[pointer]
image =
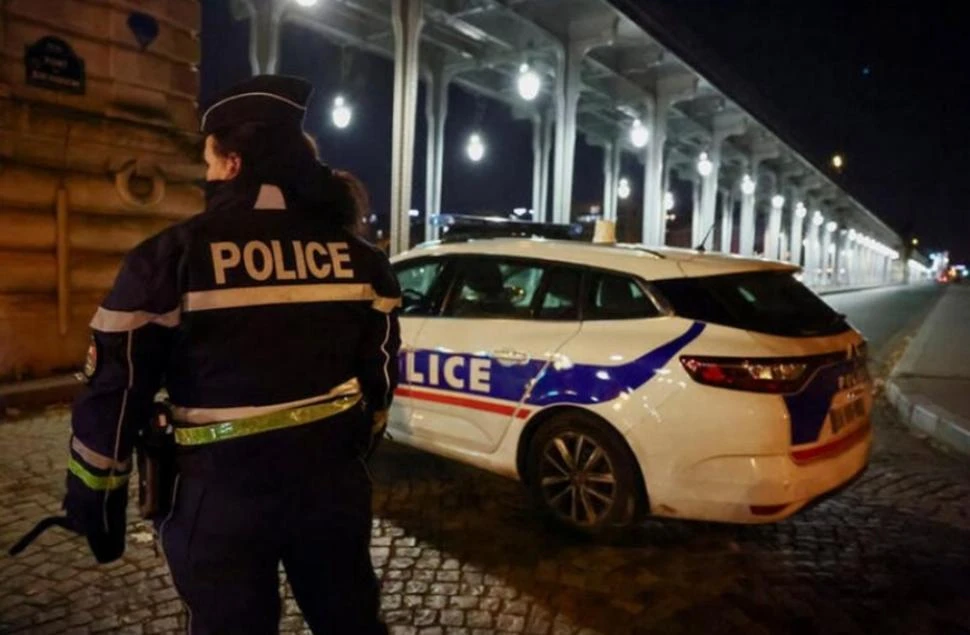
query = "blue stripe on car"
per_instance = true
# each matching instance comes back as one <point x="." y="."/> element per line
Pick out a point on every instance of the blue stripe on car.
<point x="576" y="384"/>
<point x="809" y="407"/>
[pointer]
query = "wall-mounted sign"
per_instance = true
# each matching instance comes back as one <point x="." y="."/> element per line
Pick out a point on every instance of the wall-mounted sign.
<point x="51" y="63"/>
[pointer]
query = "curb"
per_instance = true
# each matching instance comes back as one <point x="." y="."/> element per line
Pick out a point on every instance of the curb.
<point x="38" y="393"/>
<point x="837" y="290"/>
<point x="929" y="419"/>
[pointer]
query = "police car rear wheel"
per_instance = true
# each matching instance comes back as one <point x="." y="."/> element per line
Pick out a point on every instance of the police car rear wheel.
<point x="582" y="474"/>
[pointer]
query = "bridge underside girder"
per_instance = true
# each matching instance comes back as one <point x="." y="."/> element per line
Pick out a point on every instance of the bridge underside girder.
<point x="600" y="71"/>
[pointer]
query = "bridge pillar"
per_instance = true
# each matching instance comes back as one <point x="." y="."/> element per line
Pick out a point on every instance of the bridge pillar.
<point x="773" y="235"/>
<point x="828" y="254"/>
<point x="436" y="113"/>
<point x="542" y="140"/>
<point x="746" y="241"/>
<point x="813" y="247"/>
<point x="843" y="257"/>
<point x="265" y="17"/>
<point x="669" y="91"/>
<point x="795" y="250"/>
<point x="727" y="220"/>
<point x="724" y="127"/>
<point x="407" y="17"/>
<point x="611" y="177"/>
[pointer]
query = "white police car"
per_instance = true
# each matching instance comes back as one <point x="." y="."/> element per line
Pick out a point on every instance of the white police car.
<point x="615" y="380"/>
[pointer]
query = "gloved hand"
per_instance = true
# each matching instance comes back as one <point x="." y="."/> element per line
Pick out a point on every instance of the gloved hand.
<point x="99" y="515"/>
<point x="378" y="427"/>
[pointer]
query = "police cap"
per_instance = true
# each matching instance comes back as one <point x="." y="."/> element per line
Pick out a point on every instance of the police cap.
<point x="270" y="99"/>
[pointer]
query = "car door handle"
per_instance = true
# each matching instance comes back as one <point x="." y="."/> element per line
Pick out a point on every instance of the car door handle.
<point x="510" y="355"/>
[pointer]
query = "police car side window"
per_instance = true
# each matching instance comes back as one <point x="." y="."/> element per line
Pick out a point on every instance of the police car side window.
<point x="612" y="297"/>
<point x="417" y="280"/>
<point x="494" y="288"/>
<point x="560" y="295"/>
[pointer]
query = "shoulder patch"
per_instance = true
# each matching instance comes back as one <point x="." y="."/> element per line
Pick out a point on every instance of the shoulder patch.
<point x="91" y="360"/>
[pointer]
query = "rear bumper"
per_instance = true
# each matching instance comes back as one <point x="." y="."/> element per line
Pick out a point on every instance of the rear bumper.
<point x="763" y="489"/>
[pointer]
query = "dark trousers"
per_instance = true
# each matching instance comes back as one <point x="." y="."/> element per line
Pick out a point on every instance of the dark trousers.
<point x="299" y="500"/>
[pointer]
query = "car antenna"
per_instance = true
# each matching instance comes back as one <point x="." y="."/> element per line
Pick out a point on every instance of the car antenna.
<point x="700" y="247"/>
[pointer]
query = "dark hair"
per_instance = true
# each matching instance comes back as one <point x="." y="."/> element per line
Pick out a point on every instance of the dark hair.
<point x="287" y="157"/>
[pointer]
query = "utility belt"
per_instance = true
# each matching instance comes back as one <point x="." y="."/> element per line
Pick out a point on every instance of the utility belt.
<point x="159" y="442"/>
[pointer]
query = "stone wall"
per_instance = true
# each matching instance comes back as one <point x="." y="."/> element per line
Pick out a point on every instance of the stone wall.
<point x="86" y="174"/>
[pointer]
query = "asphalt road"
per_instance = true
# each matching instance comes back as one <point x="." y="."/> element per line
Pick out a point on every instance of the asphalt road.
<point x="460" y="552"/>
<point x="885" y="315"/>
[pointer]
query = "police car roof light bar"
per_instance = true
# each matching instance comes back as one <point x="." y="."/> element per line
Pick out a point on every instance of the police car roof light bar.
<point x="457" y="228"/>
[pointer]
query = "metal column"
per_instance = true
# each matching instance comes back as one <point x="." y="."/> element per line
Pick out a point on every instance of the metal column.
<point x="727" y="221"/>
<point x="797" y="227"/>
<point x="436" y="112"/>
<point x="541" y="212"/>
<point x="264" y="35"/>
<point x="746" y="243"/>
<point x="696" y="195"/>
<point x="827" y="255"/>
<point x="408" y="18"/>
<point x="538" y="130"/>
<point x="654" y="216"/>
<point x="707" y="216"/>
<point x="611" y="178"/>
<point x="567" y="99"/>
<point x="772" y="237"/>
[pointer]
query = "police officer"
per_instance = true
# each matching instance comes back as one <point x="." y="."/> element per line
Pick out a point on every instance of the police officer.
<point x="273" y="328"/>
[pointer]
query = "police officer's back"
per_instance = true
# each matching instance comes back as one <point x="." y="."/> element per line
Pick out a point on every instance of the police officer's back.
<point x="273" y="329"/>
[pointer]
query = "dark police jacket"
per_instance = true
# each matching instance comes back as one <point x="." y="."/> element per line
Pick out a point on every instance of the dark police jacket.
<point x="250" y="307"/>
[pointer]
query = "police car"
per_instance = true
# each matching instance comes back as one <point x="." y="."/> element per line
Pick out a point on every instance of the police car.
<point x="616" y="380"/>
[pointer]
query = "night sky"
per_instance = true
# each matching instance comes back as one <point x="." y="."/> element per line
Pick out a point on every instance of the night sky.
<point x="888" y="88"/>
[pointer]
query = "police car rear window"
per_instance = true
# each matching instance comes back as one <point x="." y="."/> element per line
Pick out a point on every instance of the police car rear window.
<point x="771" y="302"/>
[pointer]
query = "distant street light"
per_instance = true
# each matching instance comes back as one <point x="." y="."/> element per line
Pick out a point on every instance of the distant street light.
<point x="831" y="226"/>
<point x="668" y="201"/>
<point x="747" y="185"/>
<point x="817" y="218"/>
<point x="529" y="83"/>
<point x="704" y="165"/>
<point x="306" y="3"/>
<point x="800" y="210"/>
<point x="915" y="242"/>
<point x="475" y="148"/>
<point x="837" y="161"/>
<point x="777" y="201"/>
<point x="623" y="189"/>
<point x="341" y="114"/>
<point x="639" y="135"/>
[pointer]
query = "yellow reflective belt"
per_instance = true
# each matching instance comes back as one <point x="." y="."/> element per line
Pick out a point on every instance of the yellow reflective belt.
<point x="200" y="435"/>
<point x="93" y="481"/>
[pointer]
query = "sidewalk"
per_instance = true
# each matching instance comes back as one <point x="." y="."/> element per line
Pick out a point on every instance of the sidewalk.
<point x="930" y="386"/>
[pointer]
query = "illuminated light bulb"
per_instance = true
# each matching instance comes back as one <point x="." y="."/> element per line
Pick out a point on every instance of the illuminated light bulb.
<point x="341" y="114"/>
<point x="475" y="148"/>
<point x="623" y="189"/>
<point x="639" y="136"/>
<point x="528" y="83"/>
<point x="704" y="165"/>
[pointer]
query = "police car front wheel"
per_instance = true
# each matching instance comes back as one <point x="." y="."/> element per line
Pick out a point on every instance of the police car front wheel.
<point x="582" y="474"/>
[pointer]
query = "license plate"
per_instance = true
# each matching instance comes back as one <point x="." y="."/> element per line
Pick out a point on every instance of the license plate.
<point x="847" y="415"/>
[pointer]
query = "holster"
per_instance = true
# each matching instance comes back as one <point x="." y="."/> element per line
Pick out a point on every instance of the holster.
<point x="157" y="470"/>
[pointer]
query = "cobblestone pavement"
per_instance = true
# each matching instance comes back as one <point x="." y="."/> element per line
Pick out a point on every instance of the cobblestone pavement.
<point x="460" y="552"/>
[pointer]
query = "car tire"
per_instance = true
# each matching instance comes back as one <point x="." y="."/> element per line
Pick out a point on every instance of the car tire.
<point x="583" y="476"/>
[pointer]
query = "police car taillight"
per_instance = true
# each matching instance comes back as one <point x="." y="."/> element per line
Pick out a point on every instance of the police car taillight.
<point x="772" y="376"/>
